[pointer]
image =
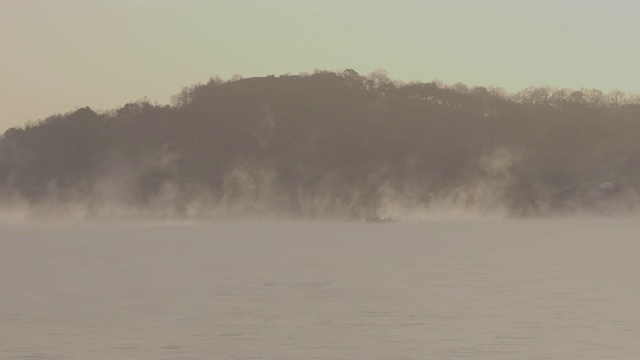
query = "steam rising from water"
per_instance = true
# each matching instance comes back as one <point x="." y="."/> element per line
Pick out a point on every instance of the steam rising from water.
<point x="251" y="191"/>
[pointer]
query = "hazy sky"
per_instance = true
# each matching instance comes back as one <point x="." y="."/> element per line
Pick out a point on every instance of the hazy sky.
<point x="59" y="55"/>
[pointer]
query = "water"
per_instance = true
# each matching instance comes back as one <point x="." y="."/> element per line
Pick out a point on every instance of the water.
<point x="449" y="290"/>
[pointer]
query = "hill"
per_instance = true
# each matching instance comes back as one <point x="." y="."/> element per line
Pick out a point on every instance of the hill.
<point x="334" y="146"/>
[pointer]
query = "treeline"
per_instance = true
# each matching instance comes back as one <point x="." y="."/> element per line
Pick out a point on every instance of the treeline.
<point x="333" y="145"/>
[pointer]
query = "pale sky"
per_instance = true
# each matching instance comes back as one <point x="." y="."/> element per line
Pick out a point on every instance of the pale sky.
<point x="59" y="55"/>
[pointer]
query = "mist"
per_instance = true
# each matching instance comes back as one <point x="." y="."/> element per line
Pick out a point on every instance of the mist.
<point x="236" y="223"/>
<point x="330" y="146"/>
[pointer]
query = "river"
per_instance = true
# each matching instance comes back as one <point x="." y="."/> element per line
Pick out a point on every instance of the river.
<point x="546" y="289"/>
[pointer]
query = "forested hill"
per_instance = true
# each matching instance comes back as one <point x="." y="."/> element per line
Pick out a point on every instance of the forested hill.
<point x="332" y="146"/>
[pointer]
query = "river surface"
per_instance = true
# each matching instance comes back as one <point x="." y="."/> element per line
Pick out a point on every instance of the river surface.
<point x="556" y="289"/>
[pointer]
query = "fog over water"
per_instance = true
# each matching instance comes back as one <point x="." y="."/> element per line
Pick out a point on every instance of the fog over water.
<point x="553" y="289"/>
<point x="330" y="215"/>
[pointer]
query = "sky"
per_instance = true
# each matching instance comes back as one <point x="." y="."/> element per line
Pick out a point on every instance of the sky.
<point x="56" y="56"/>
